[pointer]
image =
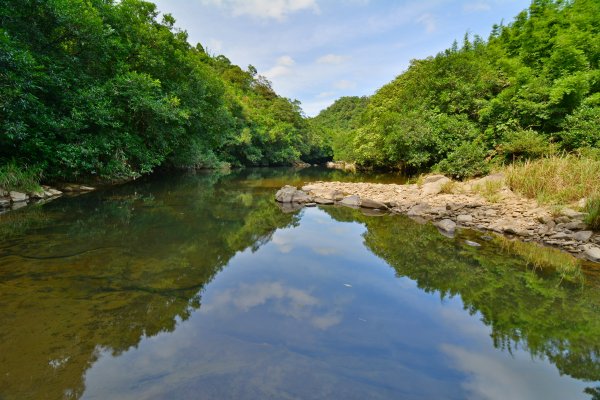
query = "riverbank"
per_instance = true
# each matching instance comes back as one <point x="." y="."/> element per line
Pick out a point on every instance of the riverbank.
<point x="485" y="204"/>
<point x="13" y="199"/>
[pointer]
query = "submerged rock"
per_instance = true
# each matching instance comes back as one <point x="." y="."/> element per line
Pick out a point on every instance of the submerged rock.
<point x="447" y="225"/>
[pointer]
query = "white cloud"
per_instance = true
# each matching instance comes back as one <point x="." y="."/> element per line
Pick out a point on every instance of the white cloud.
<point x="344" y="84"/>
<point x="429" y="21"/>
<point x="331" y="59"/>
<point x="477" y="6"/>
<point x="214" y="46"/>
<point x="282" y="67"/>
<point x="275" y="9"/>
<point x="326" y="95"/>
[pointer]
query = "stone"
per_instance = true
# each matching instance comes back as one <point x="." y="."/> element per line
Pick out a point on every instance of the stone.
<point x="433" y="178"/>
<point x="418" y="210"/>
<point x="568" y="212"/>
<point x="334" y="195"/>
<point x="446" y="225"/>
<point x="19" y="204"/>
<point x="472" y="244"/>
<point x="54" y="192"/>
<point x="464" y="218"/>
<point x="433" y="188"/>
<point x="3" y="193"/>
<point x="368" y="203"/>
<point x="40" y="194"/>
<point x="16" y="197"/>
<point x="320" y="200"/>
<point x="575" y="226"/>
<point x="289" y="194"/>
<point x="583" y="236"/>
<point x="581" y="203"/>
<point x="86" y="188"/>
<point x="310" y="204"/>
<point x="561" y="235"/>
<point x="592" y="252"/>
<point x="351" y="201"/>
<point x="4" y="202"/>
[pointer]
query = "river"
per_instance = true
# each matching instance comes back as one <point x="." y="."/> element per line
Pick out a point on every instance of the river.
<point x="198" y="286"/>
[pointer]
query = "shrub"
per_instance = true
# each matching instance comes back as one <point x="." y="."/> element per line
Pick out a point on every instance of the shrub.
<point x="526" y="144"/>
<point x="467" y="161"/>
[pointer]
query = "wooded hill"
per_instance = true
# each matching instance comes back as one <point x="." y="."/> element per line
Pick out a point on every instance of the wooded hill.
<point x="531" y="89"/>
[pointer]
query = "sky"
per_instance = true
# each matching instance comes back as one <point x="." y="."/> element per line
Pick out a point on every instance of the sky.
<point x="316" y="51"/>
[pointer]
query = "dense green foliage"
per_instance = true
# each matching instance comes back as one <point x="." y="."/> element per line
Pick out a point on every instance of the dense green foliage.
<point x="337" y="125"/>
<point x="102" y="88"/>
<point x="531" y="89"/>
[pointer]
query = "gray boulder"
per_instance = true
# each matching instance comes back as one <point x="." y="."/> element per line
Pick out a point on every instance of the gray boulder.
<point x="583" y="236"/>
<point x="446" y="225"/>
<point x="433" y="188"/>
<point x="351" y="201"/>
<point x="592" y="252"/>
<point x="17" y="197"/>
<point x="289" y="194"/>
<point x="368" y="203"/>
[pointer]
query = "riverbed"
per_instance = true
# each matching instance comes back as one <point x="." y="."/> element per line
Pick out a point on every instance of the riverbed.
<point x="198" y="285"/>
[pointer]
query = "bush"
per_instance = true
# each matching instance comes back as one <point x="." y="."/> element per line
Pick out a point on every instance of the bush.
<point x="467" y="161"/>
<point x="526" y="144"/>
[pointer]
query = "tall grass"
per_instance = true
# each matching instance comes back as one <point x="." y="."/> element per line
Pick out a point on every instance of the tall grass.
<point x="556" y="179"/>
<point x="14" y="177"/>
<point x="592" y="211"/>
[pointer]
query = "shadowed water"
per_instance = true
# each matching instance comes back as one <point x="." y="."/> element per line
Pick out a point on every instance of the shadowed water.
<point x="199" y="286"/>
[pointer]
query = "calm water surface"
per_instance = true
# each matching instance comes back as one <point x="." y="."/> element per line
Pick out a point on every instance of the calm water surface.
<point x="199" y="287"/>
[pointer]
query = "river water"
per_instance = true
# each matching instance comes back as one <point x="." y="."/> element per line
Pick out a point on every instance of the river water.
<point x="197" y="286"/>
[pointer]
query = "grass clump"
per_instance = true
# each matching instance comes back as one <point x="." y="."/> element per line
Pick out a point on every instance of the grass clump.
<point x="22" y="179"/>
<point x="556" y="179"/>
<point x="592" y="213"/>
<point x="490" y="190"/>
<point x="448" y="187"/>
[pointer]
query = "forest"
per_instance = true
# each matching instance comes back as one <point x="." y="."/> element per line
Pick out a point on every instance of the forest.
<point x="104" y="89"/>
<point x="531" y="90"/>
<point x="111" y="90"/>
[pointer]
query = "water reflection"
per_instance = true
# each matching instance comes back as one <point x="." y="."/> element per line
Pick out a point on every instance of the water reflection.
<point x="123" y="294"/>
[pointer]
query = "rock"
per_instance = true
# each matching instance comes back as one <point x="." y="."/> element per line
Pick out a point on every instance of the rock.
<point x="472" y="244"/>
<point x="433" y="188"/>
<point x="3" y="193"/>
<point x="368" y="203"/>
<point x="433" y="178"/>
<point x="16" y="197"/>
<point x="320" y="200"/>
<point x="335" y="195"/>
<point x="575" y="226"/>
<point x="568" y="212"/>
<point x="446" y="225"/>
<point x="86" y="188"/>
<point x="289" y="207"/>
<point x="4" y="203"/>
<point x="581" y="203"/>
<point x="583" y="236"/>
<point x="40" y="194"/>
<point x="464" y="218"/>
<point x="54" y="192"/>
<point x="351" y="201"/>
<point x="592" y="252"/>
<point x="561" y="235"/>
<point x="418" y="210"/>
<point x="311" y="204"/>
<point x="289" y="194"/>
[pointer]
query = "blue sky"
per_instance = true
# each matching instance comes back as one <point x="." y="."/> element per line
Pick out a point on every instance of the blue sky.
<point x="319" y="50"/>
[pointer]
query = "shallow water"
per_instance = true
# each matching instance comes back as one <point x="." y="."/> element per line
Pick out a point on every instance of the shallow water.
<point x="199" y="286"/>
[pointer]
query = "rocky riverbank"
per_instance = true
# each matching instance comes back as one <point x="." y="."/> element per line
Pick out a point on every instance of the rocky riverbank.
<point x="13" y="200"/>
<point x="486" y="204"/>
